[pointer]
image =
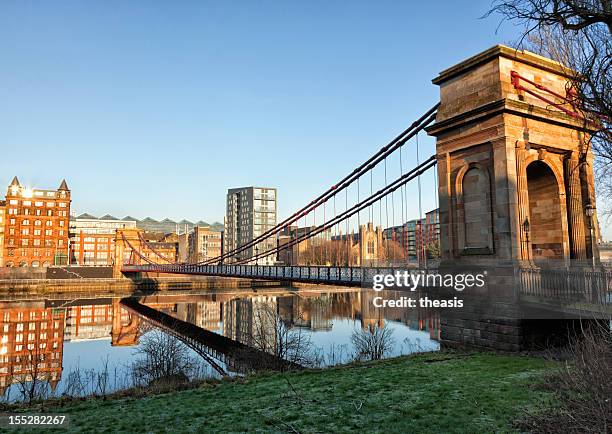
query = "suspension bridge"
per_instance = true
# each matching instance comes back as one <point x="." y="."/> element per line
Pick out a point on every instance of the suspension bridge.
<point x="511" y="175"/>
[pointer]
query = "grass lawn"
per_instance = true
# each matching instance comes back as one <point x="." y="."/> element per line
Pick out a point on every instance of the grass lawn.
<point x="437" y="392"/>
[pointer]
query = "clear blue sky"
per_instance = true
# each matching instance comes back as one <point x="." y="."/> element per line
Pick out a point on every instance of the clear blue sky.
<point x="156" y="108"/>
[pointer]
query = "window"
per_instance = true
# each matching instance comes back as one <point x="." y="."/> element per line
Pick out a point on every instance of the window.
<point x="49" y="213"/>
<point x="48" y="223"/>
<point x="25" y="231"/>
<point x="37" y="232"/>
<point x="39" y="203"/>
<point x="12" y="221"/>
<point x="37" y="223"/>
<point x="24" y="242"/>
<point x="25" y="222"/>
<point x="49" y="232"/>
<point x="27" y="203"/>
<point x="62" y="204"/>
<point x="13" y="202"/>
<point x="50" y="204"/>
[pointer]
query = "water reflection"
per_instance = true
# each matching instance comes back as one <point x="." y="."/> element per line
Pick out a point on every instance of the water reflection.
<point x="43" y="338"/>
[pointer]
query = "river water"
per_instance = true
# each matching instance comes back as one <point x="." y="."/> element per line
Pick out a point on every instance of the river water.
<point x="74" y="338"/>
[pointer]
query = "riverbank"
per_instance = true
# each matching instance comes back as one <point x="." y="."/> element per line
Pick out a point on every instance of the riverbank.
<point x="434" y="392"/>
<point x="124" y="285"/>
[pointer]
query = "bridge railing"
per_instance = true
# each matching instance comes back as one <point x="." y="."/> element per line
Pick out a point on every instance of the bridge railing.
<point x="589" y="286"/>
<point x="307" y="273"/>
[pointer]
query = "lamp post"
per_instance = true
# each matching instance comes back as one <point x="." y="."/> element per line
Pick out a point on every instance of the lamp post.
<point x="590" y="212"/>
<point x="526" y="228"/>
<point x="256" y="253"/>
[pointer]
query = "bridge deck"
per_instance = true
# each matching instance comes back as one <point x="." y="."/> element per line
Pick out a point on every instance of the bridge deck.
<point x="222" y="348"/>
<point x="350" y="276"/>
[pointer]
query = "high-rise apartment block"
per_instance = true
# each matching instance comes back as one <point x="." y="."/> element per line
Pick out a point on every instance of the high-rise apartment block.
<point x="251" y="211"/>
<point x="36" y="226"/>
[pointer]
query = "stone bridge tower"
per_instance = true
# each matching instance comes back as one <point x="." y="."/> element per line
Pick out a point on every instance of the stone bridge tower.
<point x="515" y="179"/>
<point x="515" y="172"/>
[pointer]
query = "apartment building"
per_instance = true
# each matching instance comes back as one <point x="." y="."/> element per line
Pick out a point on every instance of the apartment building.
<point x="250" y="212"/>
<point x="36" y="226"/>
<point x="2" y="209"/>
<point x="204" y="243"/>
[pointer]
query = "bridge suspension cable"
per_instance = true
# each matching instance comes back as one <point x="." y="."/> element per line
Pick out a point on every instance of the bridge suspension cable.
<point x="150" y="247"/>
<point x="344" y="216"/>
<point x="137" y="251"/>
<point x="343" y="184"/>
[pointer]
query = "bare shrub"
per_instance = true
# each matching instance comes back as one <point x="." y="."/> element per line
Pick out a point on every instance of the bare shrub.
<point x="582" y="387"/>
<point x="372" y="343"/>
<point x="32" y="377"/>
<point x="163" y="359"/>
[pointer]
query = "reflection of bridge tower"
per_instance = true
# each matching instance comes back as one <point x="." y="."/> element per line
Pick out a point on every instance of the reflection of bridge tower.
<point x="126" y="327"/>
<point x="515" y="174"/>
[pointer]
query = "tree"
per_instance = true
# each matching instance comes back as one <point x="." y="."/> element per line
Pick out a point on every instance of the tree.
<point x="433" y="250"/>
<point x="578" y="34"/>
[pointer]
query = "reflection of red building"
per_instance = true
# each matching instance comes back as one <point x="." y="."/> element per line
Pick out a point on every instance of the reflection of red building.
<point x="31" y="343"/>
<point x="92" y="321"/>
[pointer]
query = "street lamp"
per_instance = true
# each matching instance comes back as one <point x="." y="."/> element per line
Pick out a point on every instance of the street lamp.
<point x="256" y="253"/>
<point x="590" y="212"/>
<point x="526" y="228"/>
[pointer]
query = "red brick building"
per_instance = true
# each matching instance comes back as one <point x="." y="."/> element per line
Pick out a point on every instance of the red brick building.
<point x="36" y="226"/>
